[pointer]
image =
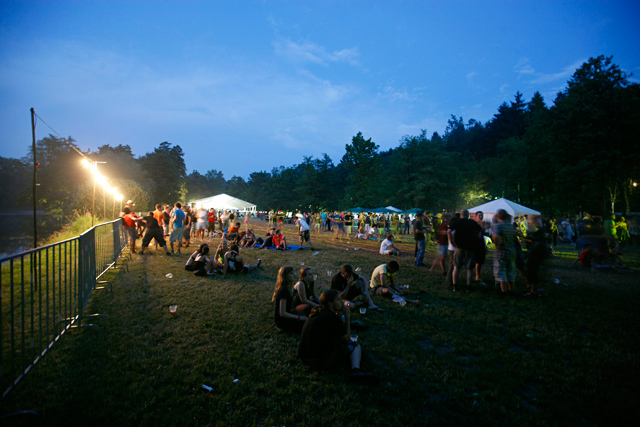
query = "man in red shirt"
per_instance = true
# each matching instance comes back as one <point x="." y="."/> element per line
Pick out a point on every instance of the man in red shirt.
<point x="130" y="227"/>
<point x="279" y="241"/>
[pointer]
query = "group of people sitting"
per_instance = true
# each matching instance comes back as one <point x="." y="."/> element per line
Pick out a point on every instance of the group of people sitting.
<point x="227" y="259"/>
<point x="324" y="321"/>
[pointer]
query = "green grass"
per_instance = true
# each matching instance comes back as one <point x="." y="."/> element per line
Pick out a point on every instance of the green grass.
<point x="570" y="358"/>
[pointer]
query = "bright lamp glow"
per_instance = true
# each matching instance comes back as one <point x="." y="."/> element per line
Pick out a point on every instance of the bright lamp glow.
<point x="99" y="179"/>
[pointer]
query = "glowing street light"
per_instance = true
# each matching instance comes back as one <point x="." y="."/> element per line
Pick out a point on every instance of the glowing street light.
<point x="98" y="178"/>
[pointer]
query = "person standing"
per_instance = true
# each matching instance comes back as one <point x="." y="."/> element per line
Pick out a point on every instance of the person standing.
<point x="419" y="237"/>
<point x="504" y="260"/>
<point x="465" y="233"/>
<point x="201" y="223"/>
<point x="304" y="232"/>
<point x="177" y="217"/>
<point x="153" y="230"/>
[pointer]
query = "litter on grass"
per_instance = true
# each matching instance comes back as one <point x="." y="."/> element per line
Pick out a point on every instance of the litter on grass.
<point x="316" y="253"/>
<point x="206" y="387"/>
<point x="169" y="276"/>
<point x="236" y="380"/>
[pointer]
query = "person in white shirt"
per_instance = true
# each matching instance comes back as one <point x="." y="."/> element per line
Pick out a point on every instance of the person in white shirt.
<point x="303" y="230"/>
<point x="387" y="247"/>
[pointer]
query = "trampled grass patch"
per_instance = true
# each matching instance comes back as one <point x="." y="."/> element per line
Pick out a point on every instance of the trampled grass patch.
<point x="570" y="357"/>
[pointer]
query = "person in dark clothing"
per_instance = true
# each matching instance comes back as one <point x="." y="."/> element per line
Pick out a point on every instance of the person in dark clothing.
<point x="325" y="344"/>
<point x="153" y="231"/>
<point x="464" y="234"/>
<point x="284" y="315"/>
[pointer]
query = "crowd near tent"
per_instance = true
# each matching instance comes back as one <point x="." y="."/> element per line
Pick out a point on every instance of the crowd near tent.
<point x="222" y="202"/>
<point x="514" y="209"/>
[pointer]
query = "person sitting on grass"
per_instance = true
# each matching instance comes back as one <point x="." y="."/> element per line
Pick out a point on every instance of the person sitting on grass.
<point x="200" y="263"/>
<point x="248" y="239"/>
<point x="373" y="233"/>
<point x="387" y="247"/>
<point x="586" y="257"/>
<point x="152" y="230"/>
<point x="304" y="292"/>
<point x="232" y="232"/>
<point x="234" y="263"/>
<point x="279" y="241"/>
<point x="285" y="317"/>
<point x="268" y="240"/>
<point x="325" y="342"/>
<point x="382" y="280"/>
<point x="351" y="286"/>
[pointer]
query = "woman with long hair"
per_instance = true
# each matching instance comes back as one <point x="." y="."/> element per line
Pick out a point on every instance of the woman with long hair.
<point x="199" y="262"/>
<point x="304" y="292"/>
<point x="285" y="316"/>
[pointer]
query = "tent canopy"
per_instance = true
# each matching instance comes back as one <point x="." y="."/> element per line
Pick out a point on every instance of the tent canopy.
<point x="356" y="210"/>
<point x="396" y="210"/>
<point x="514" y="209"/>
<point x="224" y="201"/>
<point x="413" y="211"/>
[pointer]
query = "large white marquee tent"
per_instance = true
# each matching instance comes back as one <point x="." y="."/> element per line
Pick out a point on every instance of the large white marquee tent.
<point x="514" y="209"/>
<point x="222" y="202"/>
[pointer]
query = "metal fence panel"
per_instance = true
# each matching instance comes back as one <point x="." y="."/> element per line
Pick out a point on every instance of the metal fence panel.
<point x="44" y="292"/>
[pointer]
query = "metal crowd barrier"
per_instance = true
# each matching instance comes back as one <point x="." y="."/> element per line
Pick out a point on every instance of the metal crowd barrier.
<point x="44" y="293"/>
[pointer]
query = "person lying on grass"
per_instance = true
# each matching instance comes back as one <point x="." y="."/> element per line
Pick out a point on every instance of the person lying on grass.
<point x="387" y="247"/>
<point x="234" y="263"/>
<point x="152" y="230"/>
<point x="304" y="292"/>
<point x="285" y="317"/>
<point x="325" y="342"/>
<point x="383" y="281"/>
<point x="351" y="286"/>
<point x="200" y="263"/>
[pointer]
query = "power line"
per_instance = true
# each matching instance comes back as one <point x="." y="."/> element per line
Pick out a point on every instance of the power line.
<point x="59" y="136"/>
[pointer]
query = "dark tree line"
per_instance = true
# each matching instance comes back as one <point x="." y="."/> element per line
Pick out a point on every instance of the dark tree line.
<point x="580" y="155"/>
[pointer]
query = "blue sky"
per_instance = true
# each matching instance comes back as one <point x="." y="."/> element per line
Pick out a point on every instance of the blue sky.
<point x="245" y="86"/>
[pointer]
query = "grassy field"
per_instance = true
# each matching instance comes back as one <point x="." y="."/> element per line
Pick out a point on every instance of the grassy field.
<point x="570" y="358"/>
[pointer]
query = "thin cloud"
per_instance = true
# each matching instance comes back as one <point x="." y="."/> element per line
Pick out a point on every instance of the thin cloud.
<point x="524" y="69"/>
<point x="313" y="53"/>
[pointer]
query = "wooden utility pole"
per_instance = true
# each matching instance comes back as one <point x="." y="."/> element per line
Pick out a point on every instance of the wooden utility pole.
<point x="35" y="180"/>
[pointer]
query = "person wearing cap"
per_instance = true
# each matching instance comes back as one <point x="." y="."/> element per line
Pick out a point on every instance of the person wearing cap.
<point x="419" y="237"/>
<point x="304" y="231"/>
<point x="129" y="204"/>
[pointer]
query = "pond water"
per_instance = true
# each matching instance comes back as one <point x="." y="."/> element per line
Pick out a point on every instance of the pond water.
<point x="16" y="232"/>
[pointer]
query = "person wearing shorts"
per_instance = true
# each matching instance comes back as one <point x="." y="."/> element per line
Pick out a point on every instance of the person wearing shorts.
<point x="201" y="223"/>
<point x="304" y="231"/>
<point x="465" y="234"/>
<point x="177" y="216"/>
<point x="504" y="259"/>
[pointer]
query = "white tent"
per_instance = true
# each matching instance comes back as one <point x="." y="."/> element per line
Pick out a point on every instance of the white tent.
<point x="514" y="209"/>
<point x="394" y="209"/>
<point x="224" y="201"/>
